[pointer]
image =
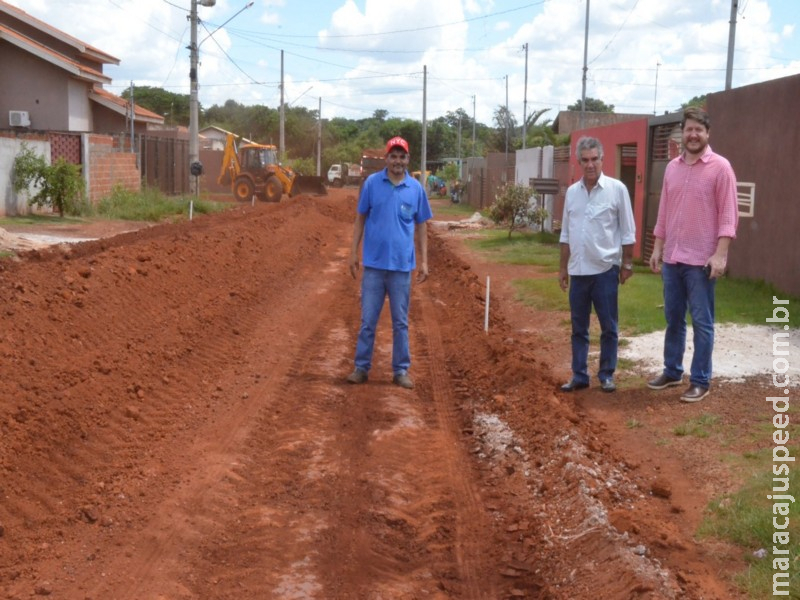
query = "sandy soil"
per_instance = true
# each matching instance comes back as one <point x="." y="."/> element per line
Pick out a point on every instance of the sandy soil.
<point x="174" y="424"/>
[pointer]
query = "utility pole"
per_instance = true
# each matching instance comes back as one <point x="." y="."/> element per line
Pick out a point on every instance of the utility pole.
<point x="655" y="94"/>
<point x="194" y="144"/>
<point x="133" y="115"/>
<point x="459" y="141"/>
<point x="585" y="68"/>
<point x="319" y="138"/>
<point x="506" y="120"/>
<point x="194" y="105"/>
<point x="423" y="176"/>
<point x="281" y="147"/>
<point x="473" y="125"/>
<point x="525" y="101"/>
<point x="731" y="44"/>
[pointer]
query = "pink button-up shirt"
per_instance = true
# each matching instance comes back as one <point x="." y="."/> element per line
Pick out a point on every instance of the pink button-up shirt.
<point x="698" y="206"/>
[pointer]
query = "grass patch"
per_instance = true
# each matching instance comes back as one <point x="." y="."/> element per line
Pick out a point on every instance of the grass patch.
<point x="641" y="300"/>
<point x="124" y="205"/>
<point x="745" y="519"/>
<point x="539" y="249"/>
<point x="743" y="301"/>
<point x="633" y="424"/>
<point x="444" y="207"/>
<point x="36" y="220"/>
<point x="150" y="205"/>
<point x="698" y="427"/>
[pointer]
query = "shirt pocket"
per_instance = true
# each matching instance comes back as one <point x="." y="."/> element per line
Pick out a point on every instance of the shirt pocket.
<point x="406" y="212"/>
<point x="602" y="212"/>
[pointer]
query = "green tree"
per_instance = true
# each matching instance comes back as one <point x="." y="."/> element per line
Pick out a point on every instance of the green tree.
<point x="505" y="128"/>
<point x="696" y="101"/>
<point x="173" y="107"/>
<point x="512" y="208"/>
<point x="592" y="105"/>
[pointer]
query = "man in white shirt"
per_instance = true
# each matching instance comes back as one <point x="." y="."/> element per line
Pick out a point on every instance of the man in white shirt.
<point x="597" y="237"/>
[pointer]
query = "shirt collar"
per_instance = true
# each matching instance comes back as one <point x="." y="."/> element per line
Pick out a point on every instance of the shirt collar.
<point x="705" y="156"/>
<point x="386" y="176"/>
<point x="600" y="181"/>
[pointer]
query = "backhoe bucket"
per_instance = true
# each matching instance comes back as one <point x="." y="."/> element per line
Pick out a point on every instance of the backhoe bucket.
<point x="309" y="184"/>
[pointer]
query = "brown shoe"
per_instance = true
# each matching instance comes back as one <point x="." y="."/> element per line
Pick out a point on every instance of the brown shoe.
<point x="662" y="382"/>
<point x="403" y="380"/>
<point x="694" y="393"/>
<point x="357" y="376"/>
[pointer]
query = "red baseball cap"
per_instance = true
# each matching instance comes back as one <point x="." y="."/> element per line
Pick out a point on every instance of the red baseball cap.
<point x="397" y="142"/>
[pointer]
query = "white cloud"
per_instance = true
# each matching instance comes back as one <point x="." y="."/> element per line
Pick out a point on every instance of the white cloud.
<point x="359" y="56"/>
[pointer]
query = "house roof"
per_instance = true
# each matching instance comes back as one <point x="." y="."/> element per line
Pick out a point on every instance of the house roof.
<point x="84" y="50"/>
<point x="121" y="106"/>
<point x="213" y="128"/>
<point x="41" y="51"/>
<point x="81" y="60"/>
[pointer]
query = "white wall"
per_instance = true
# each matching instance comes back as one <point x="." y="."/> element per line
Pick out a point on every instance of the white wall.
<point x="529" y="165"/>
<point x="80" y="111"/>
<point x="534" y="163"/>
<point x="15" y="204"/>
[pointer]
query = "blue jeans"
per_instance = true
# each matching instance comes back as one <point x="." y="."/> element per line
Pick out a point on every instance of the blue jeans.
<point x="584" y="292"/>
<point x="686" y="286"/>
<point x="376" y="284"/>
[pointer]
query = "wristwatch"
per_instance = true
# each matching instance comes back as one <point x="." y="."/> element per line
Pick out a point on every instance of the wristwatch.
<point x="628" y="267"/>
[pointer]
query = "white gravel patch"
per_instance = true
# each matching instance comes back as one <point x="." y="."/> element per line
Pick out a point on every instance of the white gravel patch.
<point x="739" y="351"/>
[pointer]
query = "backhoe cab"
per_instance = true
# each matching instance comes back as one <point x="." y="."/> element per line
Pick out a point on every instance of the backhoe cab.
<point x="253" y="170"/>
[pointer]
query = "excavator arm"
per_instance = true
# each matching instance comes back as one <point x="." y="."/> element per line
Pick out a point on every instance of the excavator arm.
<point x="230" y="168"/>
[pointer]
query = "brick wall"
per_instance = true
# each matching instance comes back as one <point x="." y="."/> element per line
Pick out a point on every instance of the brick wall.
<point x="108" y="167"/>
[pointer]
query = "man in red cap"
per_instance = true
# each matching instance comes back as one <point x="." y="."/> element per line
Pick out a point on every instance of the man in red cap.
<point x="392" y="210"/>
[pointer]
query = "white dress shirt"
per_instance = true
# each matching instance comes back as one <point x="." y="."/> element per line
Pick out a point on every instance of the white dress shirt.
<point x="596" y="225"/>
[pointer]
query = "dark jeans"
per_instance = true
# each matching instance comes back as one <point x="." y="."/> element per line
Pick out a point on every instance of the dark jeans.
<point x="687" y="286"/>
<point x="601" y="292"/>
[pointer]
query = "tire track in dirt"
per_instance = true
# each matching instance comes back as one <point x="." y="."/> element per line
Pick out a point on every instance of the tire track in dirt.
<point x="203" y="499"/>
<point x="387" y="528"/>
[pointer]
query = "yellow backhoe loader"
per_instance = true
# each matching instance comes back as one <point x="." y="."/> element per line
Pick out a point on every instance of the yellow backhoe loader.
<point x="253" y="170"/>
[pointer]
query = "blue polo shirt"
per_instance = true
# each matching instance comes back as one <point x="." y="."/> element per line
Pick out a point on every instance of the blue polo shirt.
<point x="392" y="211"/>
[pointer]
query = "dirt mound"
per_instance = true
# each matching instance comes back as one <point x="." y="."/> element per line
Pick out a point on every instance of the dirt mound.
<point x="175" y="424"/>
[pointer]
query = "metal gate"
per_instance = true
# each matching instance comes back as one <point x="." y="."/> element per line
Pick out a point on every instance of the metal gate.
<point x="165" y="164"/>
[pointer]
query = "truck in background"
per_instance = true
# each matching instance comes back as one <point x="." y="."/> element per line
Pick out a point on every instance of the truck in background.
<point x="344" y="174"/>
<point x="372" y="161"/>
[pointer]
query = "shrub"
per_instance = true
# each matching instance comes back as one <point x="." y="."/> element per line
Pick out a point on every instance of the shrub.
<point x="513" y="208"/>
<point x="59" y="185"/>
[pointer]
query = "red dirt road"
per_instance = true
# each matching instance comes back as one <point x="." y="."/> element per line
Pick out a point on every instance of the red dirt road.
<point x="174" y="425"/>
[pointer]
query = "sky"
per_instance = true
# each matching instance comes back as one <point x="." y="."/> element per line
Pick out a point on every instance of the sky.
<point x="350" y="58"/>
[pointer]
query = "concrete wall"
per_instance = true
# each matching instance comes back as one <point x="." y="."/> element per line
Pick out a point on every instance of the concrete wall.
<point x="755" y="128"/>
<point x="620" y="164"/>
<point x="10" y="144"/>
<point x="103" y="167"/>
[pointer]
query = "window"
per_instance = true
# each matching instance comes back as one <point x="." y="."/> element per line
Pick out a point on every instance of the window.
<point x="746" y="195"/>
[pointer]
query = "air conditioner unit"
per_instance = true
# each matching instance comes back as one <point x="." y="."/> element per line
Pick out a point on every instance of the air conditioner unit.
<point x="19" y="118"/>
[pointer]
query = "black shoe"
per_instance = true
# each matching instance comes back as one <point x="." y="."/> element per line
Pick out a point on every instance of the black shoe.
<point x="573" y="386"/>
<point x="608" y="385"/>
<point x="694" y="393"/>
<point x="662" y="382"/>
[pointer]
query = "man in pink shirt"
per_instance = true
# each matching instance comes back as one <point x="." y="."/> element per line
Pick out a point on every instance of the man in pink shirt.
<point x="697" y="219"/>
